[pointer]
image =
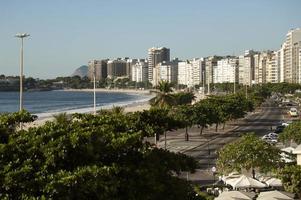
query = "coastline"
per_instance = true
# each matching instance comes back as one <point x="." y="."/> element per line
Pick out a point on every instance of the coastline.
<point x="133" y="91"/>
<point x="128" y="107"/>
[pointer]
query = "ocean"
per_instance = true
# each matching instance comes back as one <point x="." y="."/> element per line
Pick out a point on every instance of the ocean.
<point x="47" y="103"/>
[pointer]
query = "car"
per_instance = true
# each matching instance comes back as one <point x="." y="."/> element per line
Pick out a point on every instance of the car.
<point x="293" y="112"/>
<point x="269" y="139"/>
<point x="273" y="135"/>
<point x="279" y="129"/>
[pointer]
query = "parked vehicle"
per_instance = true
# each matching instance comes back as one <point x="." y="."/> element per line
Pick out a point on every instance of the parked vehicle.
<point x="293" y="112"/>
<point x="269" y="139"/>
<point x="279" y="129"/>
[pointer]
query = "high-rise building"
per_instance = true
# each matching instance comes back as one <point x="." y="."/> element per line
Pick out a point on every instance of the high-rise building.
<point x="129" y="64"/>
<point x="291" y="49"/>
<point x="100" y="67"/>
<point x="210" y="62"/>
<point x="116" y="68"/>
<point x="190" y="72"/>
<point x="139" y="72"/>
<point x="226" y="70"/>
<point x="155" y="56"/>
<point x="247" y="68"/>
<point x="165" y="71"/>
<point x="272" y="69"/>
<point x="280" y="64"/>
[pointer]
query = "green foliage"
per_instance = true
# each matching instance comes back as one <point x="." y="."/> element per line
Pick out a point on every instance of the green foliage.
<point x="290" y="176"/>
<point x="10" y="121"/>
<point x="183" y="98"/>
<point x="164" y="98"/>
<point x="291" y="132"/>
<point x="248" y="152"/>
<point x="90" y="157"/>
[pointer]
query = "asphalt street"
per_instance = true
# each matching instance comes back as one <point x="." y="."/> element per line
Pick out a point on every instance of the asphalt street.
<point x="259" y="122"/>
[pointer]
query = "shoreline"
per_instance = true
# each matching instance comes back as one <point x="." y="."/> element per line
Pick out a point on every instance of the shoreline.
<point x="128" y="107"/>
<point x="133" y="91"/>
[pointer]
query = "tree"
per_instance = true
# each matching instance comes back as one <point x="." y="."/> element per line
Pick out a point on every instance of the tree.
<point x="9" y="122"/>
<point x="163" y="97"/>
<point x="155" y="122"/>
<point x="203" y="114"/>
<point x="250" y="153"/>
<point x="183" y="98"/>
<point x="184" y="115"/>
<point x="291" y="132"/>
<point x="93" y="157"/>
<point x="290" y="176"/>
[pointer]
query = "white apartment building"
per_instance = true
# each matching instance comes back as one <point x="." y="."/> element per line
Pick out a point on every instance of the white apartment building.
<point x="165" y="71"/>
<point x="226" y="71"/>
<point x="291" y="49"/>
<point x="246" y="68"/>
<point x="190" y="72"/>
<point x="155" y="56"/>
<point x="272" y="70"/>
<point x="139" y="71"/>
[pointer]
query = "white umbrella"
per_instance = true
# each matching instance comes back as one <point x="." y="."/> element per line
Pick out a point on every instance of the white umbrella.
<point x="274" y="182"/>
<point x="247" y="182"/>
<point x="231" y="176"/>
<point x="275" y="195"/>
<point x="235" y="195"/>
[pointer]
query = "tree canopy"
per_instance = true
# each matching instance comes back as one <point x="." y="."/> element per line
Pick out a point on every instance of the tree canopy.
<point x="248" y="152"/>
<point x="89" y="157"/>
<point x="292" y="132"/>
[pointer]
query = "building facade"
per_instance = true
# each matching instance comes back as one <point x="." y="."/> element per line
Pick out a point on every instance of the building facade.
<point x="156" y="56"/>
<point x="291" y="48"/>
<point x="116" y="68"/>
<point x="139" y="71"/>
<point x="226" y="70"/>
<point x="100" y="67"/>
<point x="166" y="71"/>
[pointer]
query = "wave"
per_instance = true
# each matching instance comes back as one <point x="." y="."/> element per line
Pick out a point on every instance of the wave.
<point x="90" y="109"/>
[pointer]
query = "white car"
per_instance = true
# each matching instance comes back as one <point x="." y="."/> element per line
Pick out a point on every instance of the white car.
<point x="293" y="112"/>
<point x="269" y="139"/>
<point x="273" y="135"/>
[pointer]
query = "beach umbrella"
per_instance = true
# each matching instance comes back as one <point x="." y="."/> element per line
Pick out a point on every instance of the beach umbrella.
<point x="231" y="176"/>
<point x="247" y="182"/>
<point x="235" y="195"/>
<point x="274" y="182"/>
<point x="275" y="195"/>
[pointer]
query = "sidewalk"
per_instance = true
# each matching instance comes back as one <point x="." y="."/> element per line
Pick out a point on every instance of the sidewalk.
<point x="176" y="139"/>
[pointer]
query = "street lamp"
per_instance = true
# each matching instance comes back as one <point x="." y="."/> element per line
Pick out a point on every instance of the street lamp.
<point x="22" y="36"/>
<point x="94" y="87"/>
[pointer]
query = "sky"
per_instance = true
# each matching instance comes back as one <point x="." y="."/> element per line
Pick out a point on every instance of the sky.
<point x="66" y="34"/>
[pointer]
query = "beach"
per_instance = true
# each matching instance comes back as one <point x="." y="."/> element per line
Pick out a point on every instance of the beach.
<point x="135" y="106"/>
<point x="132" y="91"/>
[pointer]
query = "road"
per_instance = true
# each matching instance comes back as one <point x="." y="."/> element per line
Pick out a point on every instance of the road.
<point x="260" y="123"/>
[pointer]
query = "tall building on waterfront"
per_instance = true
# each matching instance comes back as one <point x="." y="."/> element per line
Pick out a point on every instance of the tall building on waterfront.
<point x="190" y="72"/>
<point x="272" y="69"/>
<point x="155" y="56"/>
<point x="246" y="67"/>
<point x="129" y="64"/>
<point x="210" y="62"/>
<point x="165" y="71"/>
<point x="139" y="71"/>
<point x="116" y="68"/>
<point x="226" y="70"/>
<point x="291" y="50"/>
<point x="100" y="67"/>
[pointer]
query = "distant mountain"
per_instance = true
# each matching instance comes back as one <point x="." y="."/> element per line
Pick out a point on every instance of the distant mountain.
<point x="82" y="71"/>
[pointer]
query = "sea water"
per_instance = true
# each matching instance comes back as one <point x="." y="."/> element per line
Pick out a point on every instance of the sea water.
<point x="47" y="103"/>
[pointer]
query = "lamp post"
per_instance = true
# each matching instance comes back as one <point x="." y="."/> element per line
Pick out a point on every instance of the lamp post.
<point x="21" y="36"/>
<point x="94" y="88"/>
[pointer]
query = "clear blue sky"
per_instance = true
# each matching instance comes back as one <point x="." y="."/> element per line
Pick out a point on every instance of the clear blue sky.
<point x="66" y="34"/>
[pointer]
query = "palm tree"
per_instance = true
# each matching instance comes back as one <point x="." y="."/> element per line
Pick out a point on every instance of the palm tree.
<point x="164" y="98"/>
